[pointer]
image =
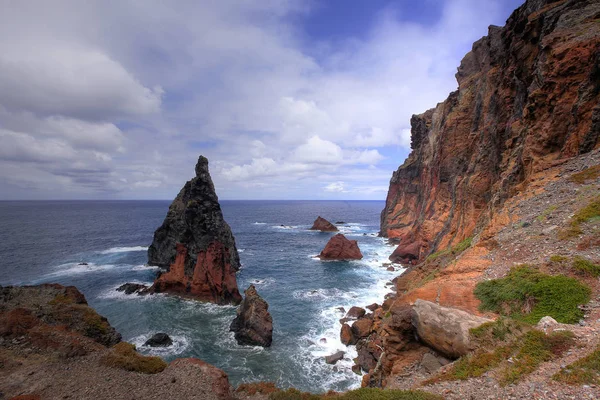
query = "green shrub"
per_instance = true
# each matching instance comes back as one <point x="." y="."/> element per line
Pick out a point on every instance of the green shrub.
<point x="585" y="266"/>
<point x="583" y="371"/>
<point x="558" y="259"/>
<point x="528" y="295"/>
<point x="454" y="250"/>
<point x="586" y="175"/>
<point x="359" y="394"/>
<point x="124" y="356"/>
<point x="591" y="212"/>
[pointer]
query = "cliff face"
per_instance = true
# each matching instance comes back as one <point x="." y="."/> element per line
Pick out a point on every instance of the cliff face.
<point x="528" y="99"/>
<point x="196" y="245"/>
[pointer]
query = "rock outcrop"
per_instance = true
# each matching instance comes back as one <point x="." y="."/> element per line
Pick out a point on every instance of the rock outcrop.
<point x="444" y="329"/>
<point x="196" y="245"/>
<point x="253" y="324"/>
<point x="528" y="98"/>
<point x="54" y="346"/>
<point x="159" y="340"/>
<point x="340" y="248"/>
<point x="321" y="224"/>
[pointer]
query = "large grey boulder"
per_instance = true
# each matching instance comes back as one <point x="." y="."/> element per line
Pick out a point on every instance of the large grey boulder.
<point x="444" y="329"/>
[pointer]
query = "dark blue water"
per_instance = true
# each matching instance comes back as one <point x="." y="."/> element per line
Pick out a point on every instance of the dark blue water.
<point x="45" y="242"/>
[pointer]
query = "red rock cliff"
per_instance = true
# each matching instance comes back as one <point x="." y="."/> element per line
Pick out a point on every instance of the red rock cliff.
<point x="527" y="99"/>
<point x="196" y="245"/>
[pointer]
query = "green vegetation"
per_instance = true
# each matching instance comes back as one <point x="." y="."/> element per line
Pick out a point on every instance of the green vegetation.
<point x="454" y="250"/>
<point x="508" y="339"/>
<point x="544" y="215"/>
<point x="60" y="299"/>
<point x="589" y="213"/>
<point x="526" y="294"/>
<point x="559" y="259"/>
<point x="586" y="175"/>
<point x="536" y="348"/>
<point x="359" y="394"/>
<point x="124" y="356"/>
<point x="585" y="266"/>
<point x="583" y="371"/>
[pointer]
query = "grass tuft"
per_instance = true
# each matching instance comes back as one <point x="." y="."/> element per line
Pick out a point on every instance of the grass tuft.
<point x="359" y="394"/>
<point x="586" y="175"/>
<point x="528" y="295"/>
<point x="454" y="250"/>
<point x="591" y="212"/>
<point x="124" y="356"/>
<point x="583" y="371"/>
<point x="585" y="266"/>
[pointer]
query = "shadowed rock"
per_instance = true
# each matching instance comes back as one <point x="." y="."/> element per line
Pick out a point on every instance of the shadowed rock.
<point x="159" y="340"/>
<point x="196" y="245"/>
<point x="253" y="324"/>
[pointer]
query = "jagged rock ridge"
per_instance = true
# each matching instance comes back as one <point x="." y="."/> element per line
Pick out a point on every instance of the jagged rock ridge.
<point x="196" y="245"/>
<point x="528" y="99"/>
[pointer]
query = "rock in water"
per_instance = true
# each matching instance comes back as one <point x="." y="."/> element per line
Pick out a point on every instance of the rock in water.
<point x="321" y="224"/>
<point x="253" y="324"/>
<point x="196" y="245"/>
<point x="131" y="288"/>
<point x="159" y="340"/>
<point x="340" y="248"/>
<point x="334" y="358"/>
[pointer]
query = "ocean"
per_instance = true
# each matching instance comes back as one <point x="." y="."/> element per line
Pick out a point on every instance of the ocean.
<point x="45" y="241"/>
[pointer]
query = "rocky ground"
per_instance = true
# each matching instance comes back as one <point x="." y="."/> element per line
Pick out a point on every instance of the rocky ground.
<point x="531" y="229"/>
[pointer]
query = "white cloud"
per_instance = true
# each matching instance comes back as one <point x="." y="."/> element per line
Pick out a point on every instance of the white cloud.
<point x="319" y="151"/>
<point x="335" y="187"/>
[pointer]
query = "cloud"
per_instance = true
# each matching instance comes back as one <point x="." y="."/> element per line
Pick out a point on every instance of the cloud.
<point x="97" y="100"/>
<point x="335" y="187"/>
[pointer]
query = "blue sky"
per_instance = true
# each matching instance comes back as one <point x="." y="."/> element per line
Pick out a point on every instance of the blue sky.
<point x="288" y="99"/>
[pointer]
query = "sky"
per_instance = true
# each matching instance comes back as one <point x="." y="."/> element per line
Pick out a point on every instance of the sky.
<point x="288" y="99"/>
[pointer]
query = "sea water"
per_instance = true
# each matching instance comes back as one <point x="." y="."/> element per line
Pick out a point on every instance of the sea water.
<point x="97" y="246"/>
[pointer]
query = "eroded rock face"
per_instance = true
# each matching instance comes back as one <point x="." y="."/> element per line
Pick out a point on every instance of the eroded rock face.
<point x="196" y="245"/>
<point x="444" y="329"/>
<point x="340" y="248"/>
<point x="321" y="224"/>
<point x="528" y="98"/>
<point x="253" y="324"/>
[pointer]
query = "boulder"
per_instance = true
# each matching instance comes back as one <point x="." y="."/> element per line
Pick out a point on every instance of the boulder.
<point x="334" y="358"/>
<point x="430" y="363"/>
<point x="444" y="329"/>
<point x="159" y="340"/>
<point x="340" y="248"/>
<point x="372" y="307"/>
<point x="196" y="245"/>
<point x="355" y="313"/>
<point x="321" y="224"/>
<point x="346" y="335"/>
<point x="407" y="252"/>
<point x="253" y="324"/>
<point x="131" y="288"/>
<point x="362" y="328"/>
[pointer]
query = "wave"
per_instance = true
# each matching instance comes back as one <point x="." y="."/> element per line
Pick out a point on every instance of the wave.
<point x="259" y="223"/>
<point x="76" y="268"/>
<point x="262" y="282"/>
<point x="114" y="250"/>
<point x="145" y="267"/>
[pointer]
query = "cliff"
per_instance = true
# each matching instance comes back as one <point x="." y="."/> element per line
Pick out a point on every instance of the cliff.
<point x="196" y="245"/>
<point x="527" y="99"/>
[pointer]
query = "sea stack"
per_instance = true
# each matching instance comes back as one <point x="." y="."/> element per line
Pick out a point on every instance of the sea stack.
<point x="253" y="324"/>
<point x="196" y="245"/>
<point x="321" y="224"/>
<point x="340" y="248"/>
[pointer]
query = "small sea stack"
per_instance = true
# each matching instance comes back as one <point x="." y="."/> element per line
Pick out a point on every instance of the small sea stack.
<point x="339" y="248"/>
<point x="253" y="325"/>
<point x="196" y="245"/>
<point x="321" y="224"/>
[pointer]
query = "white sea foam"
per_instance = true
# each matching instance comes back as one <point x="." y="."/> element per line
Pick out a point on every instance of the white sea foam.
<point x="114" y="250"/>
<point x="77" y="268"/>
<point x="285" y="227"/>
<point x="259" y="223"/>
<point x="262" y="282"/>
<point x="144" y="267"/>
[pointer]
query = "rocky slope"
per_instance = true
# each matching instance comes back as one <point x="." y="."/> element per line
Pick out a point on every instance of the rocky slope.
<point x="53" y="346"/>
<point x="196" y="245"/>
<point x="528" y="99"/>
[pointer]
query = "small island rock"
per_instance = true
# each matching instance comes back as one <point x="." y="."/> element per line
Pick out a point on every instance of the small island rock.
<point x="321" y="224"/>
<point x="159" y="340"/>
<point x="253" y="324"/>
<point x="340" y="248"/>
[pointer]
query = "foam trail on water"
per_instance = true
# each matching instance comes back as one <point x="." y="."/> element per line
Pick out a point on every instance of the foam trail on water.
<point x="114" y="250"/>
